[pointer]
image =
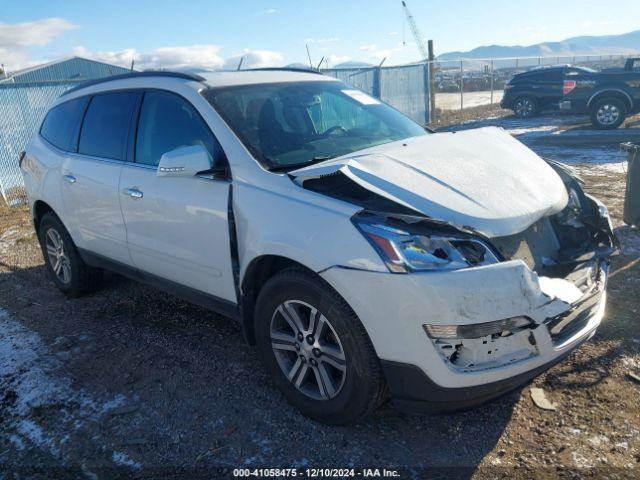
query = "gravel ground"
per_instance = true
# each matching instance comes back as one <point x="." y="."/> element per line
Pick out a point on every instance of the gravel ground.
<point x="131" y="383"/>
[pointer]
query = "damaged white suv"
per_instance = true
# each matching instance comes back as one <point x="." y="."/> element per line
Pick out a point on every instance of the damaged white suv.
<point x="364" y="255"/>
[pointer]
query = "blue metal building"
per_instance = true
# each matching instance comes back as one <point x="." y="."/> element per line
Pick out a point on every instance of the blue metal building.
<point x="71" y="69"/>
<point x="25" y="96"/>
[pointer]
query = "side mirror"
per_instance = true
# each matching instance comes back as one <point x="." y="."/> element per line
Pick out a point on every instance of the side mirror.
<point x="184" y="162"/>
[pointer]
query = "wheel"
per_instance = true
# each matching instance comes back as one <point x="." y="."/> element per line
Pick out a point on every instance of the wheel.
<point x="316" y="350"/>
<point x="525" y="107"/>
<point x="608" y="113"/>
<point x="70" y="274"/>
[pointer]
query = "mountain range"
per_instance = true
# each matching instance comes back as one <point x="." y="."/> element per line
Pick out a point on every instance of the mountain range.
<point x="626" y="43"/>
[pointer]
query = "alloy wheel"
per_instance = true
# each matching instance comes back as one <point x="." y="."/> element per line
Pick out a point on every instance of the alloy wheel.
<point x="57" y="255"/>
<point x="308" y="350"/>
<point x="608" y="114"/>
<point x="524" y="107"/>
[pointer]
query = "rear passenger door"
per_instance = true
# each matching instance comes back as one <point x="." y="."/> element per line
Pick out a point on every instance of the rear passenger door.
<point x="177" y="227"/>
<point x="90" y="177"/>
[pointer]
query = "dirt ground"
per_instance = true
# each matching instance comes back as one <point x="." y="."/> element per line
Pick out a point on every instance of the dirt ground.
<point x="131" y="383"/>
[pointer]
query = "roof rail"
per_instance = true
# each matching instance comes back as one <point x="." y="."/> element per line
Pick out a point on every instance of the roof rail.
<point x="283" y="69"/>
<point x="158" y="73"/>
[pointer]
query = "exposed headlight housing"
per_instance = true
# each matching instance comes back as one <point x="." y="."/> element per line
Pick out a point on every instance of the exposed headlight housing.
<point x="403" y="251"/>
<point x="478" y="330"/>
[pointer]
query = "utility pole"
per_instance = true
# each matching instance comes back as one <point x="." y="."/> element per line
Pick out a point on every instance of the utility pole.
<point x="432" y="84"/>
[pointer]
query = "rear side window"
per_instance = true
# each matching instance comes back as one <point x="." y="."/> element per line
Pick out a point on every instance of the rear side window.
<point x="105" y="129"/>
<point x="62" y="123"/>
<point x="554" y="75"/>
<point x="167" y="122"/>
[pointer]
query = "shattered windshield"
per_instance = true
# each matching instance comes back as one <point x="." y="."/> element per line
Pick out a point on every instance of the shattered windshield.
<point x="292" y="125"/>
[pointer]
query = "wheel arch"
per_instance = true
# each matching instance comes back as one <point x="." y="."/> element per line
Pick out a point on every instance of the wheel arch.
<point x="611" y="92"/>
<point x="257" y="273"/>
<point x="39" y="209"/>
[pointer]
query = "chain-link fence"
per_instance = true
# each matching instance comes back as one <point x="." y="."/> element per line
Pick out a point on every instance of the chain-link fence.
<point x="22" y="107"/>
<point x="460" y="88"/>
<point x="404" y="87"/>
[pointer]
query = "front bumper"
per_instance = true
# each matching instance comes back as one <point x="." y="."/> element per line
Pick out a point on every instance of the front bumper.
<point x="393" y="309"/>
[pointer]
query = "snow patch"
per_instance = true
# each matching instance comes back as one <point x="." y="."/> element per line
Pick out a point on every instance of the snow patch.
<point x="121" y="459"/>
<point x="32" y="381"/>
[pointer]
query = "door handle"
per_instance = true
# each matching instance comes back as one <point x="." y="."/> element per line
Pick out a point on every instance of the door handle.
<point x="133" y="192"/>
<point x="70" y="178"/>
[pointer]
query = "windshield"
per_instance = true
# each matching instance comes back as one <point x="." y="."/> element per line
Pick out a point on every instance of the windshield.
<point x="291" y="125"/>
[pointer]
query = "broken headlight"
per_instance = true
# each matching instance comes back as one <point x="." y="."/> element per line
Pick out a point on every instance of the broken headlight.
<point x="404" y="252"/>
<point x="478" y="330"/>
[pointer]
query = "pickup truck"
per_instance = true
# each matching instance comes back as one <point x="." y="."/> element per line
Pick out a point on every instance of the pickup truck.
<point x="608" y="96"/>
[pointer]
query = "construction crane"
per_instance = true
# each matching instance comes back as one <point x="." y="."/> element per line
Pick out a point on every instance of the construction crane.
<point x="417" y="36"/>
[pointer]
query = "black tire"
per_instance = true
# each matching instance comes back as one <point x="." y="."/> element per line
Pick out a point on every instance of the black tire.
<point x="525" y="107"/>
<point x="77" y="278"/>
<point x="608" y="113"/>
<point x="363" y="388"/>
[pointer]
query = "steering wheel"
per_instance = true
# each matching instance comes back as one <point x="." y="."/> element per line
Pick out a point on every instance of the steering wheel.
<point x="335" y="128"/>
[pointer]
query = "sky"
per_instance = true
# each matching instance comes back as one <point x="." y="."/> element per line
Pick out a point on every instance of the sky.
<point x="215" y="34"/>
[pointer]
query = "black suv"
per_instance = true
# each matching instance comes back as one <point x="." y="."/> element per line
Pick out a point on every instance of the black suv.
<point x="539" y="89"/>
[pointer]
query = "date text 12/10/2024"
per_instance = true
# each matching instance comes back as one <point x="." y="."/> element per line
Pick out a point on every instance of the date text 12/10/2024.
<point x="317" y="472"/>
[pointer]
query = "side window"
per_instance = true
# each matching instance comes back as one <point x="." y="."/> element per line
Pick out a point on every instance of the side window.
<point x="555" y="76"/>
<point x="62" y="123"/>
<point x="167" y="122"/>
<point x="105" y="128"/>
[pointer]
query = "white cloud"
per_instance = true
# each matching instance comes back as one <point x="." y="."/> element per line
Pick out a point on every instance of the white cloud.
<point x="254" y="59"/>
<point x="204" y="57"/>
<point x="322" y="40"/>
<point x="269" y="11"/>
<point x="193" y="57"/>
<point x="373" y="53"/>
<point x="17" y="38"/>
<point x="369" y="47"/>
<point x="40" y="32"/>
<point x="333" y="59"/>
<point x="393" y="34"/>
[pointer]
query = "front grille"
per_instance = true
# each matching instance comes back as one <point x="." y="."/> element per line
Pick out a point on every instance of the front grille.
<point x="564" y="326"/>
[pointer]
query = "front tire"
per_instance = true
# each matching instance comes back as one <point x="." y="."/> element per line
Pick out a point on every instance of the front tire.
<point x="608" y="113"/>
<point x="316" y="350"/>
<point x="525" y="107"/>
<point x="67" y="270"/>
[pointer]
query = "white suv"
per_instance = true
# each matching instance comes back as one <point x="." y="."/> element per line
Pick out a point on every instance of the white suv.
<point x="364" y="255"/>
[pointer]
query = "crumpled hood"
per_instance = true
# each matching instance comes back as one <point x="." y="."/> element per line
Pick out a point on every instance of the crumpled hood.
<point x="483" y="178"/>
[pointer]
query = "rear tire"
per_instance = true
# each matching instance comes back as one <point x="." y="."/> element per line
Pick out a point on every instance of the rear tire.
<point x="525" y="107"/>
<point x="67" y="270"/>
<point x="608" y="113"/>
<point x="330" y="373"/>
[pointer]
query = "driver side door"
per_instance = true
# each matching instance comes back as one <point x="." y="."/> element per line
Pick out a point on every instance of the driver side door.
<point x="177" y="227"/>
